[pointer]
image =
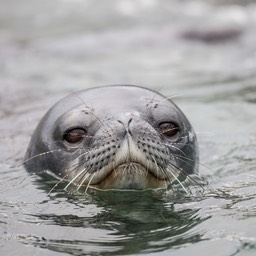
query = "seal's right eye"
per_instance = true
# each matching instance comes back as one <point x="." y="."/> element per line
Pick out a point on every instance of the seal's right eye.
<point x="74" y="136"/>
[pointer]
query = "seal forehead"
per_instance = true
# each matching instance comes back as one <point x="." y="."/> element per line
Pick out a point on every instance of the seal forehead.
<point x="99" y="101"/>
<point x="110" y="99"/>
<point x="117" y="97"/>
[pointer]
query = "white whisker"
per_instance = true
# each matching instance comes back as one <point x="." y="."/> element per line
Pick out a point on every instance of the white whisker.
<point x="86" y="175"/>
<point x="81" y="172"/>
<point x="176" y="178"/>
<point x="89" y="183"/>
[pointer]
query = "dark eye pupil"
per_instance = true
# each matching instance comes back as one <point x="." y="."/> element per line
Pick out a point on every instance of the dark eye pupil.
<point x="74" y="136"/>
<point x="169" y="129"/>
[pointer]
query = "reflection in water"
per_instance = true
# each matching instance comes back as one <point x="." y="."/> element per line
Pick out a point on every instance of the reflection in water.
<point x="133" y="222"/>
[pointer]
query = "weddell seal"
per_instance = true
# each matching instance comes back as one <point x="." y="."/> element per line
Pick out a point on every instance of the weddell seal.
<point x="114" y="137"/>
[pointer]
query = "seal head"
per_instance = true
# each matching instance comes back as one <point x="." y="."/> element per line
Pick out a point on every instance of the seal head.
<point x="114" y="137"/>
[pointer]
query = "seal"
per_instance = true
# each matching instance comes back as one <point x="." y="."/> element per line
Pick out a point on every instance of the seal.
<point x="114" y="137"/>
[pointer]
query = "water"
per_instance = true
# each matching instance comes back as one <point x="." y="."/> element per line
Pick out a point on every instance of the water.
<point x="201" y="52"/>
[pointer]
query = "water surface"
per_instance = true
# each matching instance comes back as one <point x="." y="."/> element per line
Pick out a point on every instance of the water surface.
<point x="202" y="53"/>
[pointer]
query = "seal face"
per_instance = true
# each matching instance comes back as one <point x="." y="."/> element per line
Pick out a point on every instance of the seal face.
<point x="114" y="137"/>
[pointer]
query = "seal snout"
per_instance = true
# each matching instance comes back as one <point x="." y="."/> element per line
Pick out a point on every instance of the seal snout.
<point x="134" y="164"/>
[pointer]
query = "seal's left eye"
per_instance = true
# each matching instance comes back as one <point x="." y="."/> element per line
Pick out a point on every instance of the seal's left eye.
<point x="169" y="129"/>
<point x="74" y="136"/>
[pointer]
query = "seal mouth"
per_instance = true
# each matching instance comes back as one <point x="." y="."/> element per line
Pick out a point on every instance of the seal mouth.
<point x="131" y="175"/>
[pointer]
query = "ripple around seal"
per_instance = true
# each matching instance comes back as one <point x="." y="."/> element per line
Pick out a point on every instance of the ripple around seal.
<point x="116" y="222"/>
<point x="121" y="223"/>
<point x="144" y="224"/>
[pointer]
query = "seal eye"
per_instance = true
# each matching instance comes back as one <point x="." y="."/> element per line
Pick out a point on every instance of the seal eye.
<point x="169" y="129"/>
<point x="74" y="136"/>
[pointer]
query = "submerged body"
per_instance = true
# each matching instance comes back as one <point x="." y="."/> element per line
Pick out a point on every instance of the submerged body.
<point x="114" y="137"/>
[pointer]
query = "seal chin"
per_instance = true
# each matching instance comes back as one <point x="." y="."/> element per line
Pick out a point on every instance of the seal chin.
<point x="131" y="176"/>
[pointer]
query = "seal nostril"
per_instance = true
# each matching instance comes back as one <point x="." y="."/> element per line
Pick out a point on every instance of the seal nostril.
<point x="129" y="130"/>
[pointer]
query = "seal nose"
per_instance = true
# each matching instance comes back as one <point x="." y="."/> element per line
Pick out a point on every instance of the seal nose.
<point x="126" y="123"/>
